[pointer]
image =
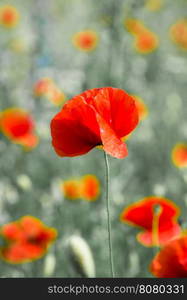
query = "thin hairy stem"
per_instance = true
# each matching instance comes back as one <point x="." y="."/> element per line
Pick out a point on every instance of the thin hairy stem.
<point x="108" y="214"/>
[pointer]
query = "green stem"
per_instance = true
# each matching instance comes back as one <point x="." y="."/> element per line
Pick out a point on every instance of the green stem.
<point x="108" y="215"/>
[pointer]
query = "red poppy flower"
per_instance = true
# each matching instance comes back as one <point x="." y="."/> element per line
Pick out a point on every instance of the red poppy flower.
<point x="85" y="40"/>
<point x="26" y="239"/>
<point x="100" y="116"/>
<point x="179" y="155"/>
<point x="86" y="187"/>
<point x="18" y="126"/>
<point x="47" y="88"/>
<point x="171" y="261"/>
<point x="9" y="16"/>
<point x="178" y="33"/>
<point x="43" y="86"/>
<point x="71" y="189"/>
<point x="146" y="42"/>
<point x="156" y="216"/>
<point x="89" y="188"/>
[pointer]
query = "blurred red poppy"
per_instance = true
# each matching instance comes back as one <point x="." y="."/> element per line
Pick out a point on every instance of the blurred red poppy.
<point x="101" y="116"/>
<point x="9" y="16"/>
<point x="146" y="42"/>
<point x="71" y="188"/>
<point x="86" y="187"/>
<point x="26" y="239"/>
<point x="171" y="261"/>
<point x="85" y="40"/>
<point x="179" y="155"/>
<point x="157" y="216"/>
<point x="17" y="125"/>
<point x="47" y="88"/>
<point x="178" y="33"/>
<point x="90" y="187"/>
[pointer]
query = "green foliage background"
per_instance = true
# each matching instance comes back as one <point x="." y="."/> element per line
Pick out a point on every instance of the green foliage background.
<point x="160" y="78"/>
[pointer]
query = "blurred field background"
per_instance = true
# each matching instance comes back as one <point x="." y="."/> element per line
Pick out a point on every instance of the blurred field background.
<point x="40" y="46"/>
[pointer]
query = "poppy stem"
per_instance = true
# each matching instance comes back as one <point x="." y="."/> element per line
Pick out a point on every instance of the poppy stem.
<point x="108" y="214"/>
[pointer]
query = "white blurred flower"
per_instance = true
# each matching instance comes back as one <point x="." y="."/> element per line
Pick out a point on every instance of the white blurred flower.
<point x="82" y="254"/>
<point x="159" y="190"/>
<point x="134" y="264"/>
<point x="49" y="265"/>
<point x="10" y="194"/>
<point x="24" y="182"/>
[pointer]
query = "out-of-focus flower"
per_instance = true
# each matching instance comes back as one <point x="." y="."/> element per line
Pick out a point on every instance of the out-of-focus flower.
<point x="178" y="33"/>
<point x="82" y="256"/>
<point x="157" y="217"/>
<point x="27" y="239"/>
<point x="9" y="16"/>
<point x="89" y="187"/>
<point x="101" y="116"/>
<point x="142" y="108"/>
<point x="86" y="187"/>
<point x="24" y="182"/>
<point x="179" y="155"/>
<point x="17" y="125"/>
<point x="71" y="189"/>
<point x="49" y="265"/>
<point x="85" y="40"/>
<point x="154" y="5"/>
<point x="45" y="87"/>
<point x="134" y="26"/>
<point x="146" y="42"/>
<point x="18" y="45"/>
<point x="171" y="261"/>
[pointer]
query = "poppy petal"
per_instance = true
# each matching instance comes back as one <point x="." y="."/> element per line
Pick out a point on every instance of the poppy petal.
<point x="29" y="140"/>
<point x="21" y="252"/>
<point x="111" y="143"/>
<point x="171" y="261"/>
<point x="71" y="138"/>
<point x="157" y="216"/>
<point x="147" y="239"/>
<point x="12" y="232"/>
<point x="123" y="111"/>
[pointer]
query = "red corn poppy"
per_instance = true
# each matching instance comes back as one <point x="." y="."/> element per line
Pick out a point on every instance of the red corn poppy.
<point x="171" y="261"/>
<point x="89" y="187"/>
<point x="71" y="188"/>
<point x="146" y="42"/>
<point x="178" y="33"/>
<point x="101" y="116"/>
<point x="26" y="239"/>
<point x="156" y="216"/>
<point x="47" y="88"/>
<point x="17" y="125"/>
<point x="179" y="155"/>
<point x="43" y="86"/>
<point x="85" y="40"/>
<point x="9" y="16"/>
<point x="86" y="187"/>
